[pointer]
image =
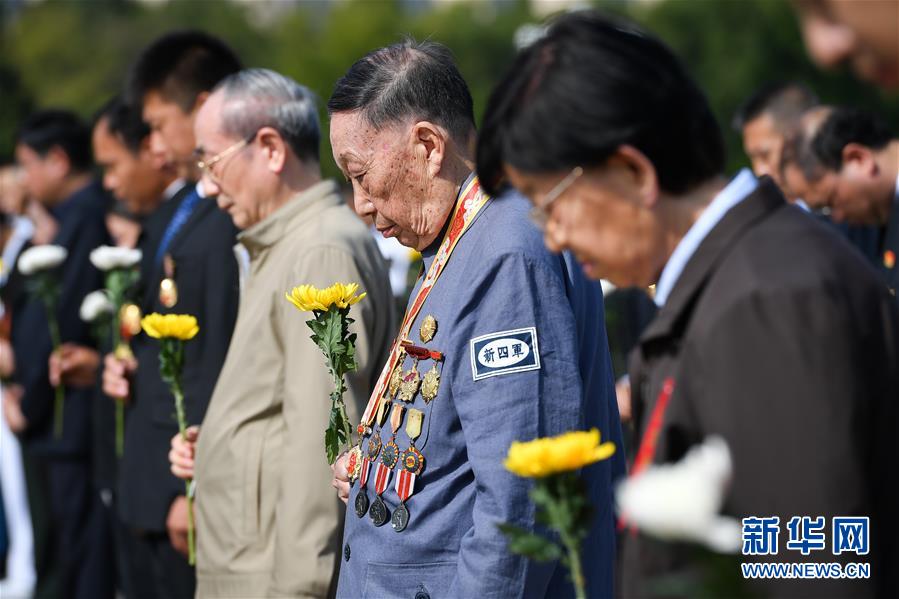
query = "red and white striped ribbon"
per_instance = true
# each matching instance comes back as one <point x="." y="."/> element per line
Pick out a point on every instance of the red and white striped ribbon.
<point x="382" y="476"/>
<point x="363" y="476"/>
<point x="405" y="485"/>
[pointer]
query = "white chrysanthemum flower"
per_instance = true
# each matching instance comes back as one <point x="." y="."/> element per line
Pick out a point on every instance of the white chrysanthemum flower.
<point x="41" y="257"/>
<point x="108" y="257"/>
<point x="682" y="501"/>
<point x="95" y="304"/>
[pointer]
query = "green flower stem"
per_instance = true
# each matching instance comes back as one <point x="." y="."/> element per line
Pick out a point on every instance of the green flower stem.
<point x="118" y="281"/>
<point x="339" y="405"/>
<point x="559" y="510"/>
<point x="119" y="404"/>
<point x="574" y="563"/>
<point x="59" y="390"/>
<point x="119" y="427"/>
<point x="182" y="428"/>
<point x="330" y="332"/>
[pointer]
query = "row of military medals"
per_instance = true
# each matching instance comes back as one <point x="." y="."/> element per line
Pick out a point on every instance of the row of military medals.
<point x="403" y="386"/>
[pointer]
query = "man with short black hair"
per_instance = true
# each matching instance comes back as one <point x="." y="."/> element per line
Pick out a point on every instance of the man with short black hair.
<point x="53" y="148"/>
<point x="765" y="120"/>
<point x="192" y="271"/>
<point x="851" y="161"/>
<point x="170" y="81"/>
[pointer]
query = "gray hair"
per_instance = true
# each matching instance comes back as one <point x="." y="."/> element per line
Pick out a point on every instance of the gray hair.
<point x="409" y="78"/>
<point x="256" y="98"/>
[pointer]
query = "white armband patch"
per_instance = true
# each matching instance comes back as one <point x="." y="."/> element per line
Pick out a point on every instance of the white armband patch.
<point x="504" y="352"/>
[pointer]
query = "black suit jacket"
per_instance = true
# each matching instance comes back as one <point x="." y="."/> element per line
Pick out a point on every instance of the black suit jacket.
<point x="889" y="258"/>
<point x="105" y="462"/>
<point x="82" y="227"/>
<point x="207" y="280"/>
<point x="781" y="339"/>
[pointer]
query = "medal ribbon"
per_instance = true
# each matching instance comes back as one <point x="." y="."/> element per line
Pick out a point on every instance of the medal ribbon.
<point x="382" y="476"/>
<point x="405" y="485"/>
<point x="363" y="476"/>
<point x="471" y="200"/>
<point x="396" y="418"/>
<point x="650" y="441"/>
<point x="647" y="450"/>
<point x="413" y="423"/>
<point x="382" y="409"/>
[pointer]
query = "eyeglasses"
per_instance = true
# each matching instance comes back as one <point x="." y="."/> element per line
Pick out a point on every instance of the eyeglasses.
<point x="539" y="214"/>
<point x="206" y="165"/>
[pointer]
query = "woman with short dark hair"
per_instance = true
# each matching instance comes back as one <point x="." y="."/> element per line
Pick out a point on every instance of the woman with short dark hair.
<point x="771" y="332"/>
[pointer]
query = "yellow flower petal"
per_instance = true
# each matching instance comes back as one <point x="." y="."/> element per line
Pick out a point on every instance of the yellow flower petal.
<point x="308" y="298"/>
<point x="551" y="455"/>
<point x="174" y="326"/>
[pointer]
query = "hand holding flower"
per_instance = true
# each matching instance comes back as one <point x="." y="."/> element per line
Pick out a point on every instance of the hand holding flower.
<point x="40" y="264"/>
<point x="172" y="330"/>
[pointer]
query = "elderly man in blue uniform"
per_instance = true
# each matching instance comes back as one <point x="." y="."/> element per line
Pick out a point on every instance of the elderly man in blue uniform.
<point x="502" y="341"/>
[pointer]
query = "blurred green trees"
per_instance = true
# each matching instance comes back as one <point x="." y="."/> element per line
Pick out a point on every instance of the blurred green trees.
<point x="75" y="54"/>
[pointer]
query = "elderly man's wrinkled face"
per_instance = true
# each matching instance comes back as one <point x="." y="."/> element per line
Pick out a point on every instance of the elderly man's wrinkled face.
<point x="763" y="144"/>
<point x="601" y="220"/>
<point x="238" y="175"/>
<point x="864" y="33"/>
<point x="392" y="184"/>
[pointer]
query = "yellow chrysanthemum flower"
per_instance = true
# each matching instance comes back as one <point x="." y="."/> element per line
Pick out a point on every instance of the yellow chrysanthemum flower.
<point x="308" y="298"/>
<point x="551" y="455"/>
<point x="174" y="326"/>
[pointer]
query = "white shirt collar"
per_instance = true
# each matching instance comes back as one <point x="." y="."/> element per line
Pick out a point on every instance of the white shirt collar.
<point x="173" y="188"/>
<point x="740" y="186"/>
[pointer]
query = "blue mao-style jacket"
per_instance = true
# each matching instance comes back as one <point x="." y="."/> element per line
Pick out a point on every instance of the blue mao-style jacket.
<point x="525" y="356"/>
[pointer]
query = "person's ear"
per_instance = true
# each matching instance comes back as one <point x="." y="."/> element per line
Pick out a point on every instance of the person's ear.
<point x="198" y="103"/>
<point x="859" y="160"/>
<point x="429" y="142"/>
<point x="273" y="147"/>
<point x="58" y="163"/>
<point x="637" y="174"/>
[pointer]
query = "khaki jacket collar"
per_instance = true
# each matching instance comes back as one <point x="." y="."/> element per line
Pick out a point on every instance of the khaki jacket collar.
<point x="286" y="218"/>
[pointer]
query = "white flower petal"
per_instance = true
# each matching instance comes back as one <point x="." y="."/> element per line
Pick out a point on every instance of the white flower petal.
<point x="108" y="257"/>
<point x="41" y="257"/>
<point x="682" y="501"/>
<point x="95" y="304"/>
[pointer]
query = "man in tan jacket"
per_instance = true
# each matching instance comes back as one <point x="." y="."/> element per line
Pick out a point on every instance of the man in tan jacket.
<point x="268" y="521"/>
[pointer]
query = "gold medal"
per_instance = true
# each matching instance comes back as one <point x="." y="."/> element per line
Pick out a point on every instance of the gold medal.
<point x="411" y="383"/>
<point x="354" y="463"/>
<point x="428" y="329"/>
<point x="431" y="384"/>
<point x="168" y="290"/>
<point x="396" y="378"/>
<point x="168" y="293"/>
<point x="130" y="317"/>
